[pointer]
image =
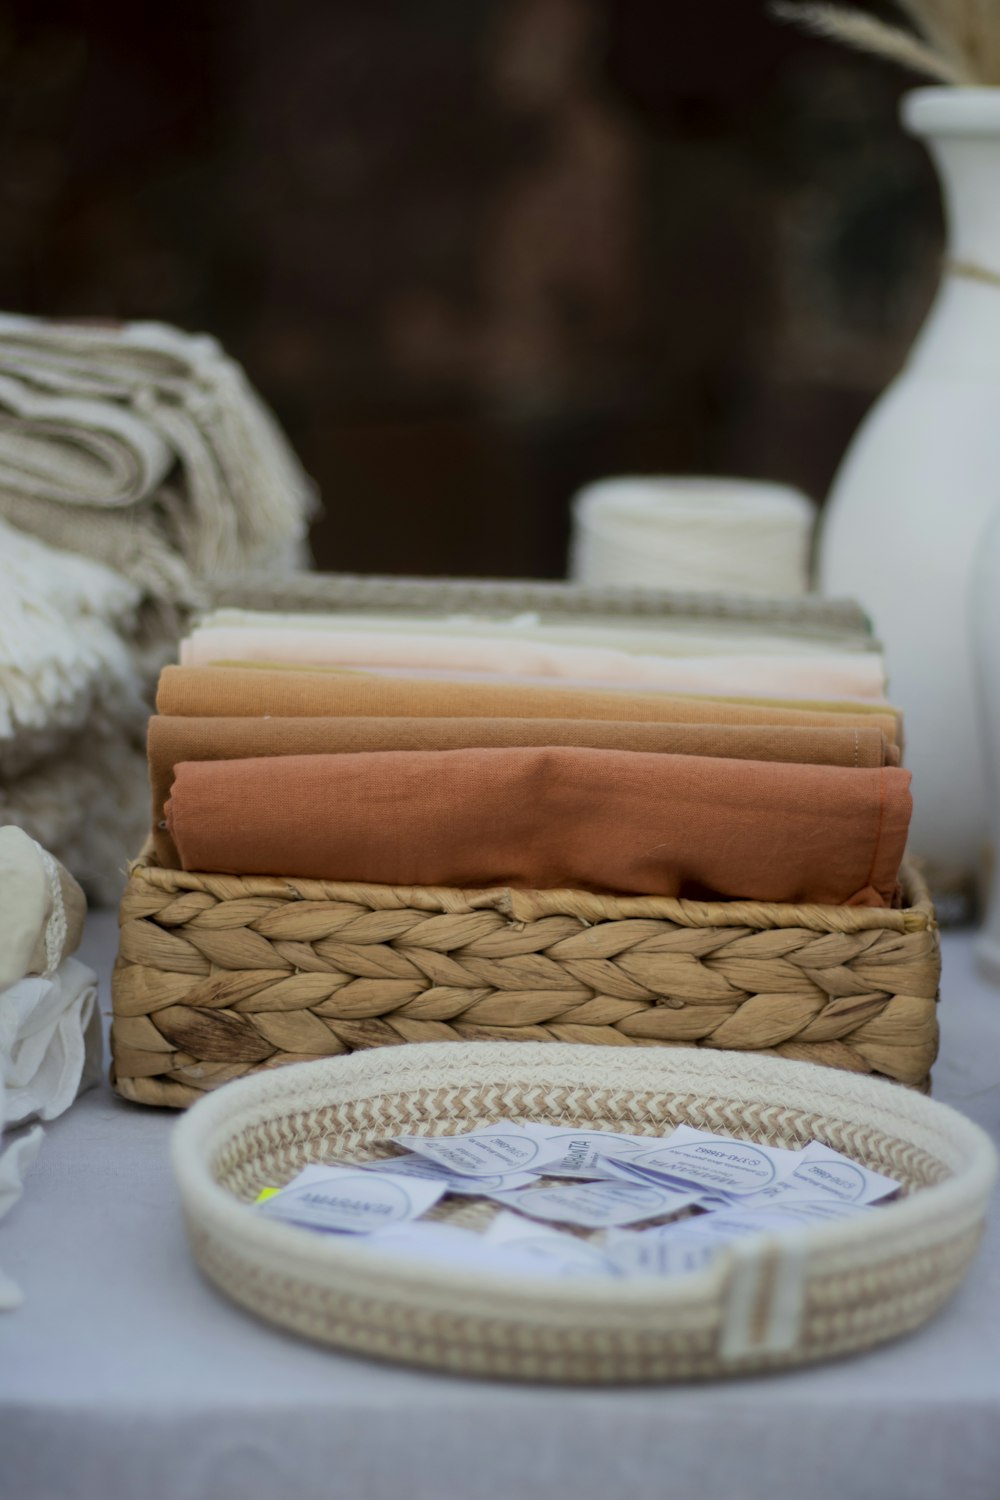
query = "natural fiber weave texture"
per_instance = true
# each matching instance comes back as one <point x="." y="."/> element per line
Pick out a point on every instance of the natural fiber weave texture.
<point x="770" y="1301"/>
<point x="220" y="975"/>
<point x="810" y="616"/>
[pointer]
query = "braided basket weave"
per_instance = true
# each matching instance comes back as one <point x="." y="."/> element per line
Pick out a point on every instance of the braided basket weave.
<point x="769" y="1301"/>
<point x="220" y="975"/>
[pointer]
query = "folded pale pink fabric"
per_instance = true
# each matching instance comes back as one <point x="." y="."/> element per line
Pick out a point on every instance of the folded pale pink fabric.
<point x="836" y="674"/>
<point x="611" y="820"/>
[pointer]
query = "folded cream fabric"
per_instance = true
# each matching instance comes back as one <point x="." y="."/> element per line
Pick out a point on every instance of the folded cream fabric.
<point x="609" y="820"/>
<point x="76" y="451"/>
<point x="697" y="635"/>
<point x="292" y="692"/>
<point x="145" y="447"/>
<point x="833" y="674"/>
<point x="172" y="740"/>
<point x="50" y="1033"/>
<point x="42" y="909"/>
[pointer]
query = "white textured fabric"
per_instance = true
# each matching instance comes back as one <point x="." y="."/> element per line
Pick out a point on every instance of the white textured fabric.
<point x="153" y="1385"/>
<point x="50" y="1041"/>
<point x="89" y="805"/>
<point x="734" y="535"/>
<point x="50" y="1026"/>
<point x="64" y="662"/>
<point x="144" y="403"/>
<point x="73" y="709"/>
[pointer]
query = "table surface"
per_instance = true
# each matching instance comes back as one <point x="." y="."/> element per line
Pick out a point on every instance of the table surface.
<point x="125" y="1376"/>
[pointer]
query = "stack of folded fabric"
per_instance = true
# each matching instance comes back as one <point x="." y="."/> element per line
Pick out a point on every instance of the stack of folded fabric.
<point x="663" y="758"/>
<point x="50" y="1027"/>
<point x="135" y="463"/>
<point x="72" y="708"/>
<point x="147" y="449"/>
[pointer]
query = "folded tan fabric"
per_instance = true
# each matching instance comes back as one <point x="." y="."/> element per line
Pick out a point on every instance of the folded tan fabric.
<point x="241" y="692"/>
<point x="610" y="820"/>
<point x="172" y="740"/>
<point x="156" y="427"/>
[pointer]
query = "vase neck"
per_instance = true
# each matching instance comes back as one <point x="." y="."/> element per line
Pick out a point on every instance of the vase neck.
<point x="969" y="169"/>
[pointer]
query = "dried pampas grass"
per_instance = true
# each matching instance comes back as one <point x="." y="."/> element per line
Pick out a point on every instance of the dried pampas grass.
<point x="955" y="42"/>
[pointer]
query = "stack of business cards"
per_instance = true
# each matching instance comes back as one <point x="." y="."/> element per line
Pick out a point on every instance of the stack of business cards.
<point x="692" y="1192"/>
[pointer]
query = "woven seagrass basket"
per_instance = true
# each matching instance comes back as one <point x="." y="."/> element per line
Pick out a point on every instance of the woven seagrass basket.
<point x="220" y="975"/>
<point x="769" y="1300"/>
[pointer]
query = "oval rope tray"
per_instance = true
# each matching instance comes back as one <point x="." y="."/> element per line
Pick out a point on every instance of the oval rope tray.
<point x="219" y="975"/>
<point x="770" y="1301"/>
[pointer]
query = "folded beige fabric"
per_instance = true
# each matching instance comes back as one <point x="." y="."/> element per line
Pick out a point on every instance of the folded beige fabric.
<point x="75" y="451"/>
<point x="147" y="448"/>
<point x="140" y="545"/>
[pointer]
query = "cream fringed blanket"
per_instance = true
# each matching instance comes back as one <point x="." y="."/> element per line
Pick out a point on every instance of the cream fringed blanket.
<point x="146" y="448"/>
<point x="72" y="709"/>
<point x="50" y="1030"/>
<point x="64" y="658"/>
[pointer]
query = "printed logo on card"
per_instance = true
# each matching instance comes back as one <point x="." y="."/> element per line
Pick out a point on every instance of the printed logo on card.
<point x="734" y="1166"/>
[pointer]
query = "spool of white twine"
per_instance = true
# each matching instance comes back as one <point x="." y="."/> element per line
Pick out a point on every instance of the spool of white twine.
<point x="734" y="536"/>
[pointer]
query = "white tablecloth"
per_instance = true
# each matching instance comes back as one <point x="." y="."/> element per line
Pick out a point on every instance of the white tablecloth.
<point x="126" y="1377"/>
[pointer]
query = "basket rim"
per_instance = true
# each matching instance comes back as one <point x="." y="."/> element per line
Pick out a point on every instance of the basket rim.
<point x="530" y="905"/>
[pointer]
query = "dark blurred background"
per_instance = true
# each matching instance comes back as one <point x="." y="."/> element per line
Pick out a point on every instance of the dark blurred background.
<point x="477" y="252"/>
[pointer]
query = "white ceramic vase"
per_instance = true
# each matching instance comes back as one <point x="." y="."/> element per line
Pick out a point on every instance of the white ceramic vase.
<point x="921" y="478"/>
<point x="986" y="645"/>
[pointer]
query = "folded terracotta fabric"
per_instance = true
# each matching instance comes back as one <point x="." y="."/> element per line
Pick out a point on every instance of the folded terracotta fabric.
<point x="839" y="674"/>
<point x="172" y="740"/>
<point x="610" y="820"/>
<point x="241" y="692"/>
